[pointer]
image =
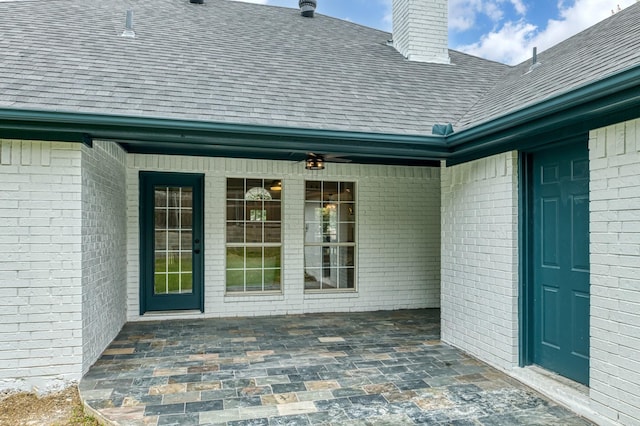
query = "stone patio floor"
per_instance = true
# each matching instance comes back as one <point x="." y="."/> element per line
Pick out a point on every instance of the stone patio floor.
<point x="374" y="368"/>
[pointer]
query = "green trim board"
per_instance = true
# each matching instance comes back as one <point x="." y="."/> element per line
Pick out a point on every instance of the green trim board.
<point x="524" y="253"/>
<point x="136" y="133"/>
<point x="609" y="100"/>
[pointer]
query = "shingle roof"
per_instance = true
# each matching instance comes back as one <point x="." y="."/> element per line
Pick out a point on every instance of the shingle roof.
<point x="239" y="63"/>
<point x="226" y="62"/>
<point x="601" y="50"/>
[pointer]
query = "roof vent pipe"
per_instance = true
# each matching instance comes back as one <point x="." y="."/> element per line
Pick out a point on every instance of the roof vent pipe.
<point x="307" y="7"/>
<point x="534" y="60"/>
<point x="128" y="25"/>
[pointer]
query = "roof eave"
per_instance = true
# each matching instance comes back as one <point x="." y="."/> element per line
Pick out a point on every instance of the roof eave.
<point x="606" y="101"/>
<point x="145" y="134"/>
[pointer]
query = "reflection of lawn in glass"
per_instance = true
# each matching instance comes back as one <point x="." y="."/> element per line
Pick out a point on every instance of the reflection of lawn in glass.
<point x="160" y="284"/>
<point x="236" y="269"/>
<point x="236" y="258"/>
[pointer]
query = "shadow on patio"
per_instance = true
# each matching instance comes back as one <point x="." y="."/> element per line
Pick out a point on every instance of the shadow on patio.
<point x="374" y="368"/>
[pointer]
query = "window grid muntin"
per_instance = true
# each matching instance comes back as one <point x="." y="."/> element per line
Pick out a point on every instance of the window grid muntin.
<point x="276" y="201"/>
<point x="167" y="208"/>
<point x="321" y="194"/>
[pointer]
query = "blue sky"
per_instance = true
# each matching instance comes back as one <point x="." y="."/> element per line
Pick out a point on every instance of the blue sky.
<point x="501" y="30"/>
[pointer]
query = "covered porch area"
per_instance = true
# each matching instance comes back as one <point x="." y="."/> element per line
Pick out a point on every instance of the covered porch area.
<point x="373" y="368"/>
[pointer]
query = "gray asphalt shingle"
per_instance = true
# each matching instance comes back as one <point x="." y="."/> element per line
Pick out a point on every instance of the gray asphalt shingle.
<point x="601" y="50"/>
<point x="226" y="62"/>
<point x="232" y="62"/>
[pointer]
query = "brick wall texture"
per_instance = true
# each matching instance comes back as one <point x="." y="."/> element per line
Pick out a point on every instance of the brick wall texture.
<point x="398" y="244"/>
<point x="614" y="154"/>
<point x="62" y="257"/>
<point x="104" y="246"/>
<point x="480" y="258"/>
<point x="420" y="31"/>
<point x="40" y="264"/>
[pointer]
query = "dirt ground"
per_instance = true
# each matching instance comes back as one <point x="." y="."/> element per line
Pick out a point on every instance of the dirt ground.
<point x="57" y="409"/>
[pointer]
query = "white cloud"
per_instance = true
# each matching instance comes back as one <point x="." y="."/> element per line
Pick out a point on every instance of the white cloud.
<point x="519" y="6"/>
<point x="463" y="14"/>
<point x="512" y="42"/>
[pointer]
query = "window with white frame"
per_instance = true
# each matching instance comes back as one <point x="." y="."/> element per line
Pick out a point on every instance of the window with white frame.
<point x="254" y="241"/>
<point x="330" y="236"/>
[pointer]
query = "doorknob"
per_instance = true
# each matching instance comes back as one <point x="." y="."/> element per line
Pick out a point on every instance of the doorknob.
<point x="196" y="251"/>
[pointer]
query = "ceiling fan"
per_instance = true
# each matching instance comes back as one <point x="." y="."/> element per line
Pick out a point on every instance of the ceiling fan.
<point x="315" y="161"/>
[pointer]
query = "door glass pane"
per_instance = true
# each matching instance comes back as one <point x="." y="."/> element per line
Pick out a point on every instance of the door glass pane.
<point x="160" y="283"/>
<point x="186" y="218"/>
<point x="187" y="282"/>
<point x="173" y="273"/>
<point x="161" y="241"/>
<point x="186" y="196"/>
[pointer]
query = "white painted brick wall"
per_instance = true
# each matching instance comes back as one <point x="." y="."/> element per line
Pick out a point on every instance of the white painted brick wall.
<point x="614" y="154"/>
<point x="104" y="228"/>
<point x="398" y="235"/>
<point x="420" y="30"/>
<point x="480" y="258"/>
<point x="40" y="258"/>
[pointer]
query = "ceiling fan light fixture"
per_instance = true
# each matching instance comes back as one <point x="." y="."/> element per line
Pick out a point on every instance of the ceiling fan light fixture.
<point x="276" y="185"/>
<point x="314" y="162"/>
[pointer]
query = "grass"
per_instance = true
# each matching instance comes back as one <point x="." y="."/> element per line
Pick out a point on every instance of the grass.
<point x="79" y="418"/>
<point x="173" y="285"/>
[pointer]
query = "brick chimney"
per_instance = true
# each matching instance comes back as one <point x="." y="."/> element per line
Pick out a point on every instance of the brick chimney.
<point x="420" y="30"/>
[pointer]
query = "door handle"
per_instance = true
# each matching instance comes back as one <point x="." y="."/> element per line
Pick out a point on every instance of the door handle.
<point x="196" y="251"/>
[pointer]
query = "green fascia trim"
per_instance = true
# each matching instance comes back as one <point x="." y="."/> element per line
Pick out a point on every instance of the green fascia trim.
<point x="159" y="130"/>
<point x="607" y="99"/>
<point x="603" y="102"/>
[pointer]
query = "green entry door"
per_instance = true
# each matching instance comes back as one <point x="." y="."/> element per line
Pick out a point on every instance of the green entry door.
<point x="561" y="261"/>
<point x="171" y="241"/>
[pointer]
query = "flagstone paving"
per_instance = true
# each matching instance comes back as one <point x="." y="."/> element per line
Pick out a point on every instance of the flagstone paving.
<point x="375" y="368"/>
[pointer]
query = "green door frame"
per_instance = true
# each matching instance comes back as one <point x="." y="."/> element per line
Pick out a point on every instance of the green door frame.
<point x="149" y="301"/>
<point x="525" y="231"/>
<point x="525" y="247"/>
